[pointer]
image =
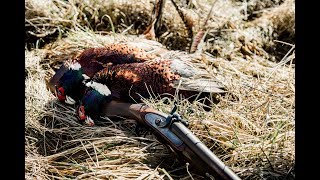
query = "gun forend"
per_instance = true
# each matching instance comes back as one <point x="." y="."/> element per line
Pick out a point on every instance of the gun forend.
<point x="175" y="134"/>
<point x="203" y="152"/>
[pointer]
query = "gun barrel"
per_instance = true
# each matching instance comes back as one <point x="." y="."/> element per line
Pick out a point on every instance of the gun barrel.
<point x="203" y="152"/>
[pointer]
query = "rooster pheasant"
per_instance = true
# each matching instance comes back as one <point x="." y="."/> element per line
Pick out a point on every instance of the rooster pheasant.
<point x="68" y="81"/>
<point x="133" y="81"/>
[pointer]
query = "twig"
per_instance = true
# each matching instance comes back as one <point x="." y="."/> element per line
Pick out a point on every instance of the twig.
<point x="88" y="153"/>
<point x="110" y="21"/>
<point x="284" y="60"/>
<point x="184" y="19"/>
<point x="267" y="158"/>
<point x="128" y="28"/>
<point x="187" y="165"/>
<point x="166" y="173"/>
<point x="284" y="42"/>
<point x="199" y="37"/>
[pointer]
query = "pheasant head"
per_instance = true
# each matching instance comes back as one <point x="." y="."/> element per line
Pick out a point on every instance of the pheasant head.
<point x="95" y="97"/>
<point x="69" y="83"/>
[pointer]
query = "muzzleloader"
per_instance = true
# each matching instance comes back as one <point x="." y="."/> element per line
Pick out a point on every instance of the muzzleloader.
<point x="172" y="130"/>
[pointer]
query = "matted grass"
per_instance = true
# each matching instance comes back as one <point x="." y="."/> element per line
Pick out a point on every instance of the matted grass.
<point x="251" y="129"/>
<point x="252" y="133"/>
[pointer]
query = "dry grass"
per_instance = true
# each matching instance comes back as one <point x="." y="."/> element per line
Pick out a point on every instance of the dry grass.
<point x="252" y="129"/>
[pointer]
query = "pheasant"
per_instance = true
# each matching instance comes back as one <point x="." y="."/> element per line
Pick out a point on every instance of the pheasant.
<point x="68" y="81"/>
<point x="131" y="82"/>
<point x="96" y="93"/>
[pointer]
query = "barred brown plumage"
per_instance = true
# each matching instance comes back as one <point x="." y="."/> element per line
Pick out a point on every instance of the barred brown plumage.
<point x="94" y="59"/>
<point x="134" y="70"/>
<point x="67" y="81"/>
<point x="133" y="81"/>
<point x="130" y="81"/>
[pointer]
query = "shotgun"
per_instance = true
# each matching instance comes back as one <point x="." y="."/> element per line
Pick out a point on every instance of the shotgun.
<point x="172" y="129"/>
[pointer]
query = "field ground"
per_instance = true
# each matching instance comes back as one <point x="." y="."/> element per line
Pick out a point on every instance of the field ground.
<point x="247" y="45"/>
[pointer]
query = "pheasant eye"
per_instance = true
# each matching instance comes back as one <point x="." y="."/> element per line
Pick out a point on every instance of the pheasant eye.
<point x="81" y="113"/>
<point x="60" y="93"/>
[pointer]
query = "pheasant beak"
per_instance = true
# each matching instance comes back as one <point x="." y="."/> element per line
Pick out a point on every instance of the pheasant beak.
<point x="89" y="121"/>
<point x="69" y="100"/>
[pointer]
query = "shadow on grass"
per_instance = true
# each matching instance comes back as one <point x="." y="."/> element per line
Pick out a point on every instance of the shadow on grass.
<point x="115" y="140"/>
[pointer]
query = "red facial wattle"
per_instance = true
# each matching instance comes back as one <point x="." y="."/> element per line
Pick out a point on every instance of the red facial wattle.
<point x="60" y="93"/>
<point x="81" y="113"/>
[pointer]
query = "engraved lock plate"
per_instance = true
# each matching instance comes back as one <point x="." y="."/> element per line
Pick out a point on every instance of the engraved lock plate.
<point x="158" y="122"/>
